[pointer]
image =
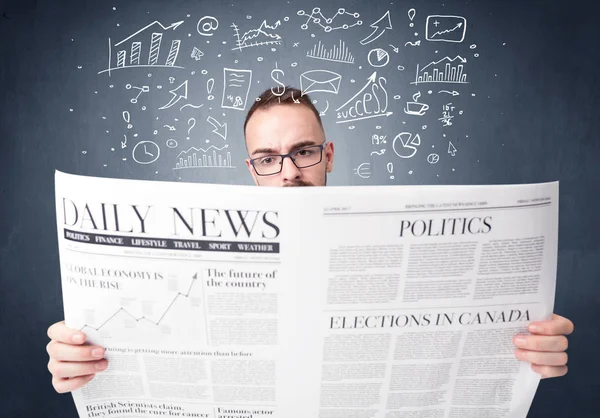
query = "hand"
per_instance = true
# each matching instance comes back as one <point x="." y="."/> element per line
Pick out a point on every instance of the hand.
<point x="545" y="349"/>
<point x="72" y="363"/>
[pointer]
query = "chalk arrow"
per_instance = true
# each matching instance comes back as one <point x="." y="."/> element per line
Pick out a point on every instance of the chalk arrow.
<point x="453" y="92"/>
<point x="156" y="22"/>
<point x="220" y="130"/>
<point x="370" y="80"/>
<point x="178" y="93"/>
<point x="372" y="36"/>
<point x="124" y="143"/>
<point x="451" y="149"/>
<point x="326" y="107"/>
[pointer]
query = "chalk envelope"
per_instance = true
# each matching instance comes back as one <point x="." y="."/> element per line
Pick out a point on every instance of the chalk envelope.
<point x="320" y="81"/>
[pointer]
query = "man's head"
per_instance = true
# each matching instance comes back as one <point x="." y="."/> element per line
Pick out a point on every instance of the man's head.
<point x="286" y="123"/>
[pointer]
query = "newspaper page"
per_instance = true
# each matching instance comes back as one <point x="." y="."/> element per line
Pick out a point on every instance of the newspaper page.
<point x="410" y="305"/>
<point x="182" y="284"/>
<point x="241" y="301"/>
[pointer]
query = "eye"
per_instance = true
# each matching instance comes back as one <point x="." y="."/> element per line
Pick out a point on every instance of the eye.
<point x="266" y="161"/>
<point x="304" y="152"/>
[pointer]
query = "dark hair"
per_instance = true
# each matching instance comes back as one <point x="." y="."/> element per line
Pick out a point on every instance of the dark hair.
<point x="290" y="96"/>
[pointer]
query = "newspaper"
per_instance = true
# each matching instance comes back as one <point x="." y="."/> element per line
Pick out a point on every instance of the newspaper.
<point x="223" y="301"/>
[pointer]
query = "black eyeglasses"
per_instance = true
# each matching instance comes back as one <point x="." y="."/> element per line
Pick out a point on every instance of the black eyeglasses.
<point x="269" y="165"/>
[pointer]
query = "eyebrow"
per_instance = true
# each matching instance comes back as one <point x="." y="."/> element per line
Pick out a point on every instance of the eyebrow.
<point x="297" y="145"/>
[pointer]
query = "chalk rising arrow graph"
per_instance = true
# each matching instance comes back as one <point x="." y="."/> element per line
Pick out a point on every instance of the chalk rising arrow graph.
<point x="379" y="28"/>
<point x="156" y="22"/>
<point x="143" y="318"/>
<point x="382" y="112"/>
<point x="180" y="92"/>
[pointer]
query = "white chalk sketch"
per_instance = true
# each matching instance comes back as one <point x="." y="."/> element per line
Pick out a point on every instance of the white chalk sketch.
<point x="127" y="119"/>
<point x="263" y="35"/>
<point x="207" y="25"/>
<point x="416" y="43"/>
<point x="145" y="152"/>
<point x="135" y="47"/>
<point x="443" y="71"/>
<point x="451" y="149"/>
<point x="143" y="89"/>
<point x="180" y="92"/>
<point x="124" y="143"/>
<point x="390" y="169"/>
<point x="210" y="83"/>
<point x="396" y="50"/>
<point x="433" y="158"/>
<point x="363" y="170"/>
<point x="197" y="54"/>
<point x="405" y="144"/>
<point x="190" y="105"/>
<point x="415" y="108"/>
<point x="204" y="158"/>
<point x="378" y="139"/>
<point x="411" y="15"/>
<point x="339" y="53"/>
<point x="275" y="74"/>
<point x="380" y="152"/>
<point x="191" y="127"/>
<point x="452" y="93"/>
<point x="236" y="86"/>
<point x="322" y="113"/>
<point x="298" y="101"/>
<point x="169" y="127"/>
<point x="372" y="93"/>
<point x="447" y="116"/>
<point x="324" y="81"/>
<point x="171" y="143"/>
<point x="318" y="18"/>
<point x="220" y="129"/>
<point x="378" y="58"/>
<point x="379" y="27"/>
<point x="441" y="28"/>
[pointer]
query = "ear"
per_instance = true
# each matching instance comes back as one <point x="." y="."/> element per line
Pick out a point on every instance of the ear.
<point x="252" y="172"/>
<point x="329" y="156"/>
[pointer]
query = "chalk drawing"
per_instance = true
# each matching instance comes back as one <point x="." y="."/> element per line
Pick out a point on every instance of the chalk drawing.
<point x="317" y="18"/>
<point x="379" y="27"/>
<point x="236" y="87"/>
<point x="134" y="50"/>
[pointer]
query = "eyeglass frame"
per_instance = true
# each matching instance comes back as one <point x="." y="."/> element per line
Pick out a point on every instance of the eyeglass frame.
<point x="289" y="154"/>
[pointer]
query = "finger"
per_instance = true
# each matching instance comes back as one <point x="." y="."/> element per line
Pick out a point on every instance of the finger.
<point x="68" y="352"/>
<point x="558" y="325"/>
<point x="550" y="371"/>
<point x="542" y="358"/>
<point x="553" y="343"/>
<point x="60" y="332"/>
<point x="68" y="385"/>
<point x="63" y="369"/>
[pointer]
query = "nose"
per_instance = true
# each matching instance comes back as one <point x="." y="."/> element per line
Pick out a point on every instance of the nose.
<point x="289" y="171"/>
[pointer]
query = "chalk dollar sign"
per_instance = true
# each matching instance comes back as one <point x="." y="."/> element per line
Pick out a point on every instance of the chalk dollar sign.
<point x="275" y="74"/>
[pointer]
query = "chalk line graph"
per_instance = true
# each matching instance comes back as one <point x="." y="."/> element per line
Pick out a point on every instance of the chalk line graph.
<point x="247" y="40"/>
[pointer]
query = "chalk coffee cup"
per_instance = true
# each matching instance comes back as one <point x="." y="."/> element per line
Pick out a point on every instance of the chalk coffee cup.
<point x="416" y="108"/>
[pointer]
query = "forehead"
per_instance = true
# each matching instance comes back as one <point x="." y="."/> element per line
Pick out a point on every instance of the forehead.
<point x="280" y="127"/>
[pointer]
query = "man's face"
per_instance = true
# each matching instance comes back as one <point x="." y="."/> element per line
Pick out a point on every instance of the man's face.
<point x="285" y="128"/>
